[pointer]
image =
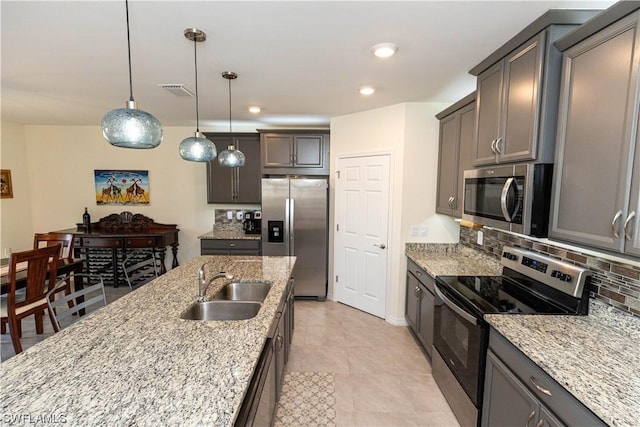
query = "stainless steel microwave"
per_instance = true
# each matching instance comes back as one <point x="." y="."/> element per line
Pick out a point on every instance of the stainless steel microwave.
<point x="513" y="197"/>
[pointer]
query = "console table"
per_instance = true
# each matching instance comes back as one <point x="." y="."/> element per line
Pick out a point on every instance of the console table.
<point x="106" y="243"/>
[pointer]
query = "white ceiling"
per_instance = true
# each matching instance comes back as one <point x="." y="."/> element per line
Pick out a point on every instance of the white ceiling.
<point x="65" y="62"/>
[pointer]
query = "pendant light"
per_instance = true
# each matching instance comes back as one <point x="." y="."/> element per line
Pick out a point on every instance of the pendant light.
<point x="231" y="157"/>
<point x="197" y="148"/>
<point x="130" y="127"/>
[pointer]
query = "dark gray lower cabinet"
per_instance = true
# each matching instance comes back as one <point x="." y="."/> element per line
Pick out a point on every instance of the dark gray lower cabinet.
<point x="229" y="247"/>
<point x="259" y="405"/>
<point x="517" y="392"/>
<point x="419" y="304"/>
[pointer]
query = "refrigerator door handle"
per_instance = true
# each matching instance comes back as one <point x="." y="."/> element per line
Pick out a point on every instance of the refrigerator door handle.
<point x="287" y="225"/>
<point x="292" y="227"/>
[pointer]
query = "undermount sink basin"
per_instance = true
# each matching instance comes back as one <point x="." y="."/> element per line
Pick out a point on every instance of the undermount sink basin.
<point x="244" y="291"/>
<point x="222" y="310"/>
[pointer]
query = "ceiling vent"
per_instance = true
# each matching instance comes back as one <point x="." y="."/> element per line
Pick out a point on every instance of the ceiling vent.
<point x="178" y="89"/>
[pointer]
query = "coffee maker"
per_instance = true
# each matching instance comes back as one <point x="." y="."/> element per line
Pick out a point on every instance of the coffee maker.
<point x="252" y="223"/>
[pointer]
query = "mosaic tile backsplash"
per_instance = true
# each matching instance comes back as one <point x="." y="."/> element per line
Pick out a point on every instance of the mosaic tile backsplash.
<point x="615" y="283"/>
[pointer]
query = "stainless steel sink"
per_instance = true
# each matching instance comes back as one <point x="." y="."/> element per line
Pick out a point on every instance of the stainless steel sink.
<point x="243" y="291"/>
<point x="222" y="310"/>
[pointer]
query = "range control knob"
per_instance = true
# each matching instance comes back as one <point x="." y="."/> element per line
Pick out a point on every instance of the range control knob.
<point x="510" y="256"/>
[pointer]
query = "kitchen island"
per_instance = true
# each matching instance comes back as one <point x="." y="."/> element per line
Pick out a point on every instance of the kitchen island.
<point x="135" y="362"/>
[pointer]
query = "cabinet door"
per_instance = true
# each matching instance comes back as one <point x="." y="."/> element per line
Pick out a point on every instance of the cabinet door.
<point x="249" y="176"/>
<point x="465" y="152"/>
<point x="308" y="151"/>
<point x="426" y="318"/>
<point x="506" y="401"/>
<point x="411" y="302"/>
<point x="597" y="104"/>
<point x="489" y="103"/>
<point x="448" y="163"/>
<point x="220" y="182"/>
<point x="521" y="104"/>
<point x="277" y="150"/>
<point x="632" y="222"/>
<point x="279" y="352"/>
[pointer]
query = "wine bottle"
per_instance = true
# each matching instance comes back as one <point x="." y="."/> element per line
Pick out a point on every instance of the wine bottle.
<point x="86" y="221"/>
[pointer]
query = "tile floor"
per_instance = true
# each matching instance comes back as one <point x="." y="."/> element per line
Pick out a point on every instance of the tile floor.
<point x="382" y="376"/>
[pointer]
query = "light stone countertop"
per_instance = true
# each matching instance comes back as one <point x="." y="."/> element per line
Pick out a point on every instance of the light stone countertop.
<point x="596" y="358"/>
<point x="135" y="362"/>
<point x="451" y="259"/>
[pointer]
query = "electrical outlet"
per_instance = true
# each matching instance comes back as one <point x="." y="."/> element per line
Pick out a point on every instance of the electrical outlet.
<point x="229" y="214"/>
<point x="414" y="230"/>
<point x="480" y="237"/>
<point x="424" y="230"/>
<point x="239" y="215"/>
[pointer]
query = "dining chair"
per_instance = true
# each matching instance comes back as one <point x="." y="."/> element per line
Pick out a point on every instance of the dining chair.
<point x="65" y="240"/>
<point x="91" y="297"/>
<point x="41" y="268"/>
<point x="140" y="266"/>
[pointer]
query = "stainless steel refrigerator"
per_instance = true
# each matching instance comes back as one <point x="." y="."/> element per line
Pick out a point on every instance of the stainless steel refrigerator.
<point x="294" y="223"/>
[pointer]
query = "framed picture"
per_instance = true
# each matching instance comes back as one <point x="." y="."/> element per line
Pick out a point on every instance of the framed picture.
<point x="122" y="187"/>
<point x="6" y="187"/>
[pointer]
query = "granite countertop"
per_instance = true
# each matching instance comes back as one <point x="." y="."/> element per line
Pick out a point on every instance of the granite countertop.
<point x="452" y="259"/>
<point x="596" y="358"/>
<point x="228" y="232"/>
<point x="135" y="362"/>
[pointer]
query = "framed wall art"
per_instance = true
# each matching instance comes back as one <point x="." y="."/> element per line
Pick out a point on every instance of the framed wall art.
<point x="6" y="187"/>
<point x="122" y="187"/>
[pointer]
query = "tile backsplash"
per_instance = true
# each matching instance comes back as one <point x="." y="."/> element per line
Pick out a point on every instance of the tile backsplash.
<point x="613" y="282"/>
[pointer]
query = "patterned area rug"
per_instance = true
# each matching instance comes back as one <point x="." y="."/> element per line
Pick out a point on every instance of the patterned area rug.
<point x="308" y="399"/>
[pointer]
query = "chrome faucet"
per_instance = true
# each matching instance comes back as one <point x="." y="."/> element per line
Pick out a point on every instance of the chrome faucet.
<point x="203" y="283"/>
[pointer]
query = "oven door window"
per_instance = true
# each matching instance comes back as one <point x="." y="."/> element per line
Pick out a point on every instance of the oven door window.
<point x="459" y="343"/>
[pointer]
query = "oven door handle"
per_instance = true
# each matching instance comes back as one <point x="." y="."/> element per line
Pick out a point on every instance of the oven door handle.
<point x="503" y="199"/>
<point x="453" y="306"/>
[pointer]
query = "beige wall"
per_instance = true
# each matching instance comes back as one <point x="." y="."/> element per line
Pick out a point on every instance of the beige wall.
<point x="61" y="159"/>
<point x="15" y="214"/>
<point x="410" y="133"/>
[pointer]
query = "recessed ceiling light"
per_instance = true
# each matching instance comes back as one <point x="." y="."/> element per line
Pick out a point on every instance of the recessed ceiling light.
<point x="384" y="50"/>
<point x="255" y="109"/>
<point x="367" y="90"/>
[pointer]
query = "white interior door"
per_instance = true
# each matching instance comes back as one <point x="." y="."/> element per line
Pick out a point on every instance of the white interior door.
<point x="362" y="223"/>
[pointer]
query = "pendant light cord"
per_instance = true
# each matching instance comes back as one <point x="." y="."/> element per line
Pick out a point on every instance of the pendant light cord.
<point x="230" y="106"/>
<point x="126" y="2"/>
<point x="195" y="61"/>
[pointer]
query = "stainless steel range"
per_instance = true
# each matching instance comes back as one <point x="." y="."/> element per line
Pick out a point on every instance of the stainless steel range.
<point x="530" y="284"/>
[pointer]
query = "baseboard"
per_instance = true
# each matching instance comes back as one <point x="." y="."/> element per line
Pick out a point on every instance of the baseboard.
<point x="396" y="321"/>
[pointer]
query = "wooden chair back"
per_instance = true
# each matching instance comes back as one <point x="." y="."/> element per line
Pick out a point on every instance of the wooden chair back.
<point x="41" y="269"/>
<point x="65" y="241"/>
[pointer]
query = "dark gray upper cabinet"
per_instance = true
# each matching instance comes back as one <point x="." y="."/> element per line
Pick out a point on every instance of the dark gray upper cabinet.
<point x="517" y="93"/>
<point x="595" y="197"/>
<point x="457" y="126"/>
<point x="294" y="151"/>
<point x="235" y="185"/>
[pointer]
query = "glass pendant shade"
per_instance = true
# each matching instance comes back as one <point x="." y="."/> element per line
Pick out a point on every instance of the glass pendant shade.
<point x="231" y="157"/>
<point x="197" y="148"/>
<point x="131" y="128"/>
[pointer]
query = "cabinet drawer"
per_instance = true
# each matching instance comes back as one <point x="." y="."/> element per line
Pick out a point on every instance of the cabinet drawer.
<point x="545" y="388"/>
<point x="98" y="242"/>
<point x="230" y="244"/>
<point x="140" y="242"/>
<point x="421" y="275"/>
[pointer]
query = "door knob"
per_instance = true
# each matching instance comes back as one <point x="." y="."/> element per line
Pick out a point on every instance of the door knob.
<point x="381" y="245"/>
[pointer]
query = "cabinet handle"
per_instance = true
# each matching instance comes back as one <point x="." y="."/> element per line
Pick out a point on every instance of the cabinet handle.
<point x="627" y="234"/>
<point x="450" y="201"/>
<point x="418" y="273"/>
<point x="613" y="224"/>
<point x="280" y="341"/>
<point x="538" y="386"/>
<point x="416" y="292"/>
<point x="232" y="245"/>
<point x="540" y="423"/>
<point x="530" y="417"/>
<point x="493" y="146"/>
<point x="498" y="149"/>
<point x="453" y="203"/>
